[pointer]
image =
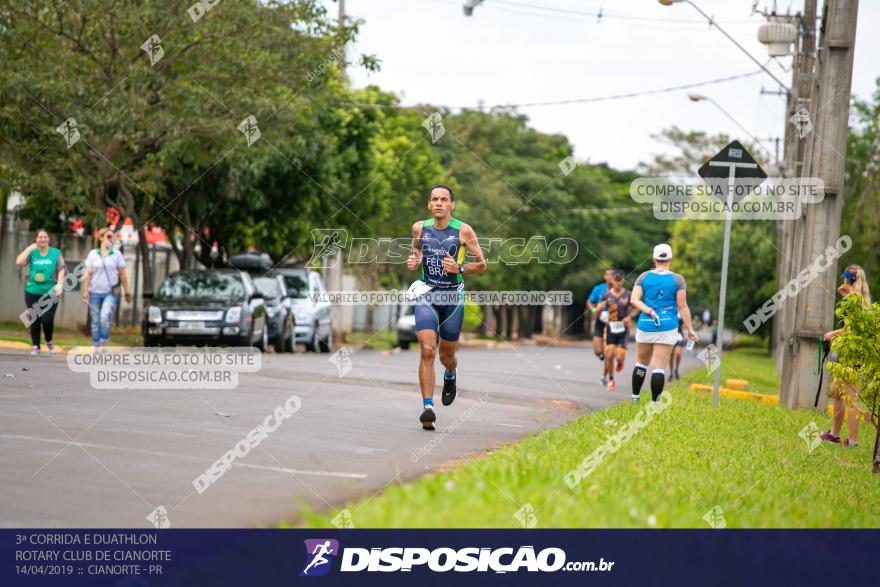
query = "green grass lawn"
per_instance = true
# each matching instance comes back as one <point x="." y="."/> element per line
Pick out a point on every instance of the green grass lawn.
<point x="745" y="458"/>
<point x="68" y="337"/>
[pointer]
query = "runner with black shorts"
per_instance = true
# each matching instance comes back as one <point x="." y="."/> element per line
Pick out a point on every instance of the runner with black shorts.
<point x="599" y="318"/>
<point x="439" y="246"/>
<point x="616" y="301"/>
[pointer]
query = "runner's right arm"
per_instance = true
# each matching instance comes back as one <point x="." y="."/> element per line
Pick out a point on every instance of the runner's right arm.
<point x="415" y="257"/>
<point x="25" y="256"/>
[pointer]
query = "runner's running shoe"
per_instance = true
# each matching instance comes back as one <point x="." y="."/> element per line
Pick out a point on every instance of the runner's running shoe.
<point x="449" y="388"/>
<point x="428" y="418"/>
<point x="612" y="386"/>
<point x="828" y="437"/>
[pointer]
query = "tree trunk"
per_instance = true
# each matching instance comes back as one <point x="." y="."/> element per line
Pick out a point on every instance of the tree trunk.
<point x="484" y="325"/>
<point x="146" y="267"/>
<point x="524" y="322"/>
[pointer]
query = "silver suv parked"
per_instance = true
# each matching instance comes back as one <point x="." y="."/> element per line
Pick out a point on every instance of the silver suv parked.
<point x="313" y="324"/>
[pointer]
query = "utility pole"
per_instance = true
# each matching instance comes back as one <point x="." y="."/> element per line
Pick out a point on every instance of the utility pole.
<point x="813" y="307"/>
<point x="799" y="97"/>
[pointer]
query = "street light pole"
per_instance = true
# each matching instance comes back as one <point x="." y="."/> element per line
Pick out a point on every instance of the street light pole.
<point x="732" y="40"/>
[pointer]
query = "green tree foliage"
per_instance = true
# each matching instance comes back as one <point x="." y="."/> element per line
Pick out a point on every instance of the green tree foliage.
<point x="860" y="217"/>
<point x="697" y="245"/>
<point x="858" y="348"/>
<point x="149" y="127"/>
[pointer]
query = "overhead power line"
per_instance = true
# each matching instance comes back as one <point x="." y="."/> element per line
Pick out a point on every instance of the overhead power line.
<point x="600" y="14"/>
<point x="574" y="100"/>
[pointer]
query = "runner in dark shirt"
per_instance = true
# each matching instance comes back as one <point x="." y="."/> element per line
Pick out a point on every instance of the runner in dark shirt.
<point x="617" y="302"/>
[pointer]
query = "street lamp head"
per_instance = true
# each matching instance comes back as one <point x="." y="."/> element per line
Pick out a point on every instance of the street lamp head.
<point x="696" y="97"/>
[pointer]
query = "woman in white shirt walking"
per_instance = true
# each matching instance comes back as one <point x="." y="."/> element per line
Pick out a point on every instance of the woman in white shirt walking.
<point x="105" y="271"/>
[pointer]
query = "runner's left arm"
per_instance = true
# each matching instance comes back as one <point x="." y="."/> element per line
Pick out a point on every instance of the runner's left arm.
<point x="681" y="301"/>
<point x="469" y="240"/>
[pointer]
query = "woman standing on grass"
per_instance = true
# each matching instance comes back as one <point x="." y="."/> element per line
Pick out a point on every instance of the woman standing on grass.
<point x="660" y="295"/>
<point x="46" y="274"/>
<point x="854" y="282"/>
<point x="105" y="271"/>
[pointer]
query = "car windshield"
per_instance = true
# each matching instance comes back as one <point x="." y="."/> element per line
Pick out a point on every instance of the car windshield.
<point x="267" y="285"/>
<point x="202" y="285"/>
<point x="296" y="285"/>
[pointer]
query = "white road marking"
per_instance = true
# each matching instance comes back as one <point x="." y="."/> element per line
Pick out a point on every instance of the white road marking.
<point x="179" y="456"/>
<point x="511" y="425"/>
<point x="301" y="472"/>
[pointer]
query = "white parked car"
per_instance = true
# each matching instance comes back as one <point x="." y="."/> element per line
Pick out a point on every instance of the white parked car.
<point x="313" y="327"/>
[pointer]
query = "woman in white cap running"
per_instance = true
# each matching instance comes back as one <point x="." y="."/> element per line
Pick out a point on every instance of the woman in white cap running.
<point x="659" y="294"/>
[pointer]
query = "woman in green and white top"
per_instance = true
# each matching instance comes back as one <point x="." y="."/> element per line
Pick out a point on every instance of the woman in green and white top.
<point x="42" y="288"/>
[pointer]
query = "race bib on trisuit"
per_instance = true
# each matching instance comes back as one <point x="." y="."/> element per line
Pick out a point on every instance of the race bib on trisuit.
<point x="617" y="326"/>
<point x="603" y="317"/>
<point x="417" y="290"/>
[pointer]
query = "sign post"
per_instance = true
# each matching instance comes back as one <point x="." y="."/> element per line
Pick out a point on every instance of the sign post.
<point x="734" y="163"/>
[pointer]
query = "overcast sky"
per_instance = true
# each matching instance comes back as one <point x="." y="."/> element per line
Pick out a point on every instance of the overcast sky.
<point x="509" y="53"/>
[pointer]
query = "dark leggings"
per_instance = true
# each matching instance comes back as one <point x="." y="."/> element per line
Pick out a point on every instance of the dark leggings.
<point x="47" y="320"/>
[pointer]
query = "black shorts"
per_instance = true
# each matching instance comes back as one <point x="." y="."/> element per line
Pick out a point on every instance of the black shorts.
<point x="599" y="328"/>
<point x="618" y="339"/>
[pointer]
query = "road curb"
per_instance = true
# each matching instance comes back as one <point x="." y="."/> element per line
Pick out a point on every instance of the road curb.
<point x="754" y="397"/>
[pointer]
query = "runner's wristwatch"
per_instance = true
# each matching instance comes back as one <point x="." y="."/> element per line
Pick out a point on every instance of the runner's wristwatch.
<point x="461" y="269"/>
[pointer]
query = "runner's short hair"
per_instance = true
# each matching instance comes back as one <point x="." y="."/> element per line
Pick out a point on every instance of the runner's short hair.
<point x="443" y="186"/>
<point x="617" y="275"/>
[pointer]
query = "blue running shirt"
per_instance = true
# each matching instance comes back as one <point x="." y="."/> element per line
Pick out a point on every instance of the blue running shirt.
<point x="436" y="243"/>
<point x="659" y="288"/>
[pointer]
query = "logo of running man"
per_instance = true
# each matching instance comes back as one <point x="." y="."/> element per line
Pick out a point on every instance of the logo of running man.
<point x="153" y="48"/>
<point x="434" y="126"/>
<point x="715" y="518"/>
<point x="319" y="555"/>
<point x="250" y="130"/>
<point x="710" y="358"/>
<point x="567" y="165"/>
<point x="342" y="360"/>
<point x="801" y="122"/>
<point x="327" y="244"/>
<point x="68" y="130"/>
<point x="526" y="516"/>
<point x="343" y="519"/>
<point x="159" y="517"/>
<point x="810" y="434"/>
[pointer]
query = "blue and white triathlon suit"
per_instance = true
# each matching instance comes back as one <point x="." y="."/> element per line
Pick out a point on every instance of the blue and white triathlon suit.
<point x="659" y="289"/>
<point x="442" y="308"/>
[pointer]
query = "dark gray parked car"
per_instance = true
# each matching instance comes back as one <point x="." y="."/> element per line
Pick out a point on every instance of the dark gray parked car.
<point x="213" y="307"/>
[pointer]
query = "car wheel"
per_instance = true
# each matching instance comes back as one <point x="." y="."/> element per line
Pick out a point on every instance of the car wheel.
<point x="312" y="345"/>
<point x="151" y="341"/>
<point x="327" y="343"/>
<point x="288" y="341"/>
<point x="264" y="339"/>
<point x="404" y="344"/>
<point x="278" y="343"/>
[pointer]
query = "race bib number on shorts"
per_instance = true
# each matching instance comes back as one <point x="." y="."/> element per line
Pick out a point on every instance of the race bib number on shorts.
<point x="617" y="327"/>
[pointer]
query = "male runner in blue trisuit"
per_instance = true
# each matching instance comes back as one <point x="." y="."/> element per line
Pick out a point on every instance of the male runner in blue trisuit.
<point x="439" y="245"/>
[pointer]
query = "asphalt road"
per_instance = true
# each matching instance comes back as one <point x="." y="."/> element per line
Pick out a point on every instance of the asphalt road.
<point x="75" y="456"/>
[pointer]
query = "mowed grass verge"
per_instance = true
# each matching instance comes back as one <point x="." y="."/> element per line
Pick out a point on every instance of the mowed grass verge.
<point x="745" y="458"/>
